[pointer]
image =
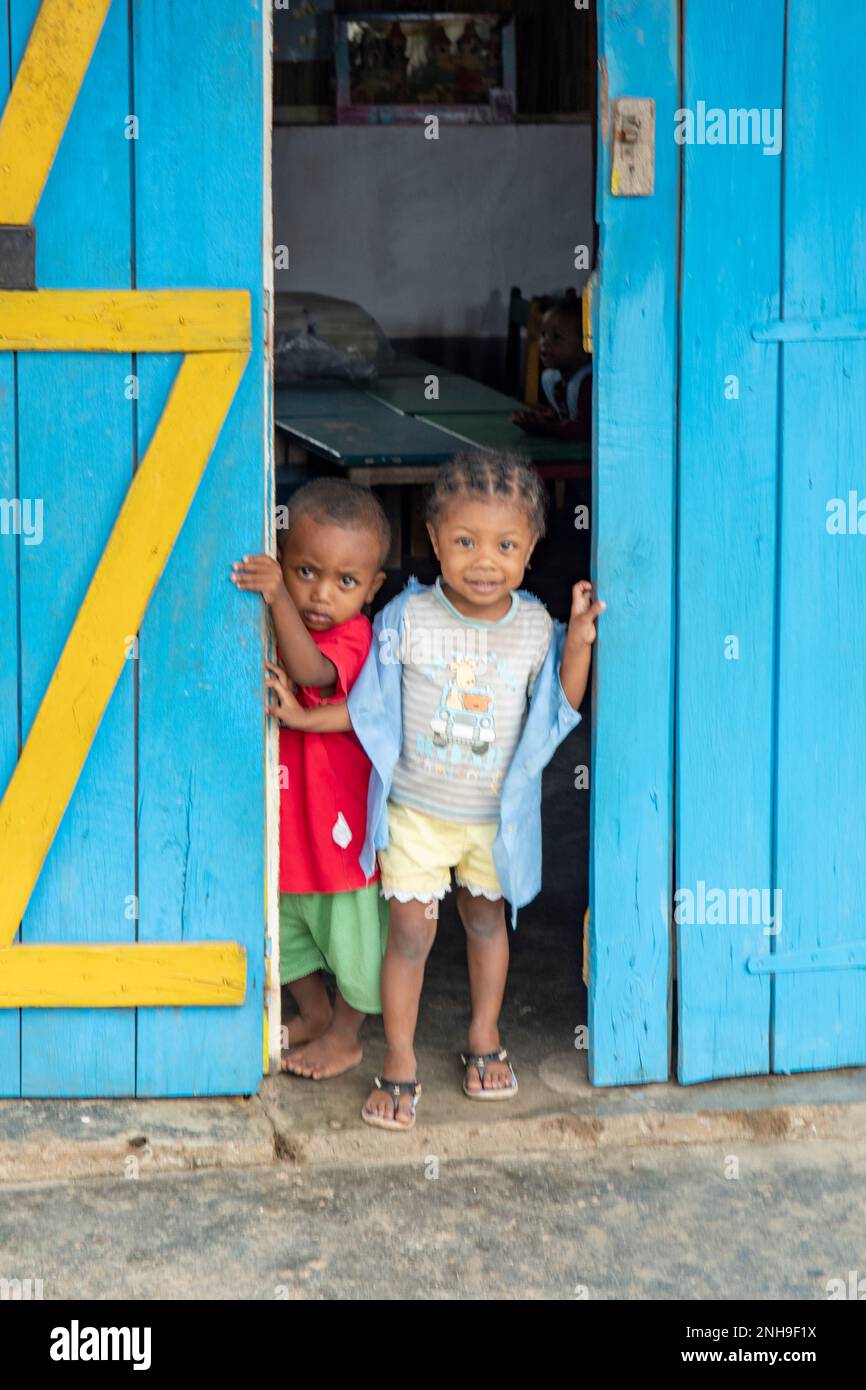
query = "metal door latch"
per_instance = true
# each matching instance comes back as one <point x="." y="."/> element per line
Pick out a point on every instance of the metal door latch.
<point x="632" y="173"/>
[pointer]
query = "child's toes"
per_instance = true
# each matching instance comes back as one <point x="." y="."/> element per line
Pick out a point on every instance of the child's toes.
<point x="374" y="1104"/>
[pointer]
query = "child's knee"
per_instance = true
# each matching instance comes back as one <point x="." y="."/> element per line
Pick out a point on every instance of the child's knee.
<point x="411" y="934"/>
<point x="481" y="917"/>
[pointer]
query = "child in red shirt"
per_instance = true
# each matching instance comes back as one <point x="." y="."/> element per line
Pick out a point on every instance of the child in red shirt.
<point x="331" y="916"/>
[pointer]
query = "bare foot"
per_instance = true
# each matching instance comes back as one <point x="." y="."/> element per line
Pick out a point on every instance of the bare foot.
<point x="399" y="1066"/>
<point x="497" y="1075"/>
<point x="303" y="1029"/>
<point x="329" y="1055"/>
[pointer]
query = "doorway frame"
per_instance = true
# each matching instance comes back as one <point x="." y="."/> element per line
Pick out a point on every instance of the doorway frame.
<point x="635" y="398"/>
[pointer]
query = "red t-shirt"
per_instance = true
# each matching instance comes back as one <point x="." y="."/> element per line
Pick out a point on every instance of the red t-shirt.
<point x="323" y="809"/>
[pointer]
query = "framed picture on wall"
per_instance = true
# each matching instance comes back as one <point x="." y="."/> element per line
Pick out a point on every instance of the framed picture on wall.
<point x="400" y="68"/>
<point x="304" y="31"/>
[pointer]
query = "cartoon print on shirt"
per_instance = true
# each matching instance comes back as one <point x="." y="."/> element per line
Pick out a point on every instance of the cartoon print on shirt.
<point x="462" y="739"/>
<point x="465" y="716"/>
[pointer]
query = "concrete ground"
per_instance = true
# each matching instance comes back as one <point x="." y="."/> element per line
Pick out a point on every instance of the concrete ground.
<point x="649" y="1224"/>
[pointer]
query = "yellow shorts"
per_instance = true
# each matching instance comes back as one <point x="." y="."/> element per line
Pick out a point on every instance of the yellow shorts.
<point x="422" y="851"/>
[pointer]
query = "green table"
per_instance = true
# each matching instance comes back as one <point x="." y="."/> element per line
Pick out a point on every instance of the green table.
<point x="491" y="430"/>
<point x="407" y="364"/>
<point x="318" y="399"/>
<point x="370" y="435"/>
<point x="457" y="394"/>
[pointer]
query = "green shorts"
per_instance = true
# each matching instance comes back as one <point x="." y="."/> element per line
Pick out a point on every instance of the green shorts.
<point x="344" y="933"/>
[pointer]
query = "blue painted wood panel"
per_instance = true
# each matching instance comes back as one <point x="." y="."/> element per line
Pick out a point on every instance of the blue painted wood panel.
<point x="820" y="1017"/>
<point x="193" y="840"/>
<point x="75" y="447"/>
<point x="726" y="546"/>
<point x="10" y="1019"/>
<point x="633" y="566"/>
<point x="198" y="200"/>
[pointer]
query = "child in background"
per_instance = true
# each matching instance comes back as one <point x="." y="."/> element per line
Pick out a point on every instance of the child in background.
<point x="565" y="377"/>
<point x="467" y="692"/>
<point x="332" y="916"/>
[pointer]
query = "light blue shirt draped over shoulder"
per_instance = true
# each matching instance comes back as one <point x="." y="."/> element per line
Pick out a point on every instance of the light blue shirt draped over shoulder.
<point x="375" y="708"/>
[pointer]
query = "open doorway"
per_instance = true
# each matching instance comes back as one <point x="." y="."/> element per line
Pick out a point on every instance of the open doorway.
<point x="433" y="188"/>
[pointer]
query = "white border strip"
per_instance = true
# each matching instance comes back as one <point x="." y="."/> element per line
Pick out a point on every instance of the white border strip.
<point x="272" y="749"/>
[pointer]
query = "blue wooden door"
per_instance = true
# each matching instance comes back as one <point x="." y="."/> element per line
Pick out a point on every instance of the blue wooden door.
<point x="157" y="184"/>
<point x="773" y="433"/>
<point x="727" y="552"/>
<point x="634" y="475"/>
<point x="761" y="304"/>
<point x="819" y="1014"/>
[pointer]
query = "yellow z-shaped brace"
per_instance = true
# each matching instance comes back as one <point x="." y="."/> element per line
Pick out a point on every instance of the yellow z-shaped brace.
<point x="46" y="88"/>
<point x="213" y="329"/>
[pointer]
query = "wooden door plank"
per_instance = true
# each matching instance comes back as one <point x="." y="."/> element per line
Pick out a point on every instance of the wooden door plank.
<point x="820" y="1017"/>
<point x="201" y="810"/>
<point x="726" y="569"/>
<point x="10" y="1019"/>
<point x="634" y="386"/>
<point x="125" y="320"/>
<point x="62" y="39"/>
<point x="87" y="976"/>
<point x="75" y="446"/>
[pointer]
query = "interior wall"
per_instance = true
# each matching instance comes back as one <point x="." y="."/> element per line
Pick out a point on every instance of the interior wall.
<point x="430" y="235"/>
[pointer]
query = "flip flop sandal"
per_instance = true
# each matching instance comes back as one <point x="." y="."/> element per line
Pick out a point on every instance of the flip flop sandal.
<point x="479" y="1060"/>
<point x="395" y="1090"/>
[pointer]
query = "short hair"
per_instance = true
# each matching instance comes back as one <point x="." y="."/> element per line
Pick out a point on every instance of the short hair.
<point x="337" y="502"/>
<point x="567" y="306"/>
<point x="490" y="473"/>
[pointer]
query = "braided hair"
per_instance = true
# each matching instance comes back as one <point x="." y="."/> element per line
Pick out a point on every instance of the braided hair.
<point x="478" y="473"/>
